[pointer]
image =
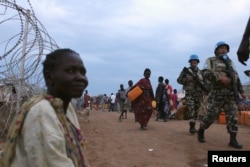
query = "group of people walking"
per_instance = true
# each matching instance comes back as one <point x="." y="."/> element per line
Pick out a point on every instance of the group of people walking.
<point x="217" y="85"/>
<point x="219" y="81"/>
<point x="46" y="131"/>
<point x="142" y="105"/>
<point x="166" y="100"/>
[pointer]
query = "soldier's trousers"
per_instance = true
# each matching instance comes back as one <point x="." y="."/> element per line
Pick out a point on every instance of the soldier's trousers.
<point x="218" y="103"/>
<point x="193" y="103"/>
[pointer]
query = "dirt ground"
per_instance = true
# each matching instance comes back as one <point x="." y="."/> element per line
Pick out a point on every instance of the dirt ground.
<point x="111" y="143"/>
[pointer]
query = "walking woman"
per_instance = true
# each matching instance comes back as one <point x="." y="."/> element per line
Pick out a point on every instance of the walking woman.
<point x="162" y="100"/>
<point x="143" y="104"/>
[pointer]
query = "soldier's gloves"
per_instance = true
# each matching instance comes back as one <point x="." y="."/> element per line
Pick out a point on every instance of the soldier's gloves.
<point x="225" y="80"/>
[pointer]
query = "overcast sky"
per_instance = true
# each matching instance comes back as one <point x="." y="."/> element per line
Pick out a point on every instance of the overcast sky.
<point x="118" y="39"/>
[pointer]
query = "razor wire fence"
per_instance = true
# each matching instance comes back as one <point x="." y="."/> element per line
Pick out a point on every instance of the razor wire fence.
<point x="23" y="43"/>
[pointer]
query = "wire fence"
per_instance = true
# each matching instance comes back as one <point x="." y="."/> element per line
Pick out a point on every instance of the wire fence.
<point x="24" y="42"/>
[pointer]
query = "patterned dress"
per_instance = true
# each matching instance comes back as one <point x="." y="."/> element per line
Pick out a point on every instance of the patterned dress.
<point x="143" y="104"/>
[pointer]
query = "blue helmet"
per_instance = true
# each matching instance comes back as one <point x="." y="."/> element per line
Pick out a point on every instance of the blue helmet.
<point x="194" y="57"/>
<point x="219" y="44"/>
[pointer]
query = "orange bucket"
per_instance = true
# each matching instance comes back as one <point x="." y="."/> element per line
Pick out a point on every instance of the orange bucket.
<point x="222" y="118"/>
<point x="242" y="117"/>
<point x="134" y="93"/>
<point x="238" y="116"/>
<point x="247" y="118"/>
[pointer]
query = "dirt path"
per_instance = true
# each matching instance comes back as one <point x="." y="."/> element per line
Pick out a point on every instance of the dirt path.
<point x="122" y="144"/>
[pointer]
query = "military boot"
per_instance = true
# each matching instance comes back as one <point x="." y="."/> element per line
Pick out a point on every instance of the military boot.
<point x="192" y="127"/>
<point x="200" y="135"/>
<point x="233" y="142"/>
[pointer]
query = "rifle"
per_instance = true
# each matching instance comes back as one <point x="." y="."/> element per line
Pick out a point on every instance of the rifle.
<point x="196" y="79"/>
<point x="230" y="72"/>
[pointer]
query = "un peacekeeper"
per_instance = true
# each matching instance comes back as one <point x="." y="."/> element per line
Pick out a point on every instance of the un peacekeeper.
<point x="189" y="78"/>
<point x="225" y="89"/>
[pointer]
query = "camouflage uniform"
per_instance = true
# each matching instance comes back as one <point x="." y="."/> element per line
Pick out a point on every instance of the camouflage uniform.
<point x="221" y="97"/>
<point x="224" y="93"/>
<point x="193" y="92"/>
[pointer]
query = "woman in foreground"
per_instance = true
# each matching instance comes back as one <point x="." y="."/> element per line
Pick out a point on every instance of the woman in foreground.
<point x="46" y="132"/>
